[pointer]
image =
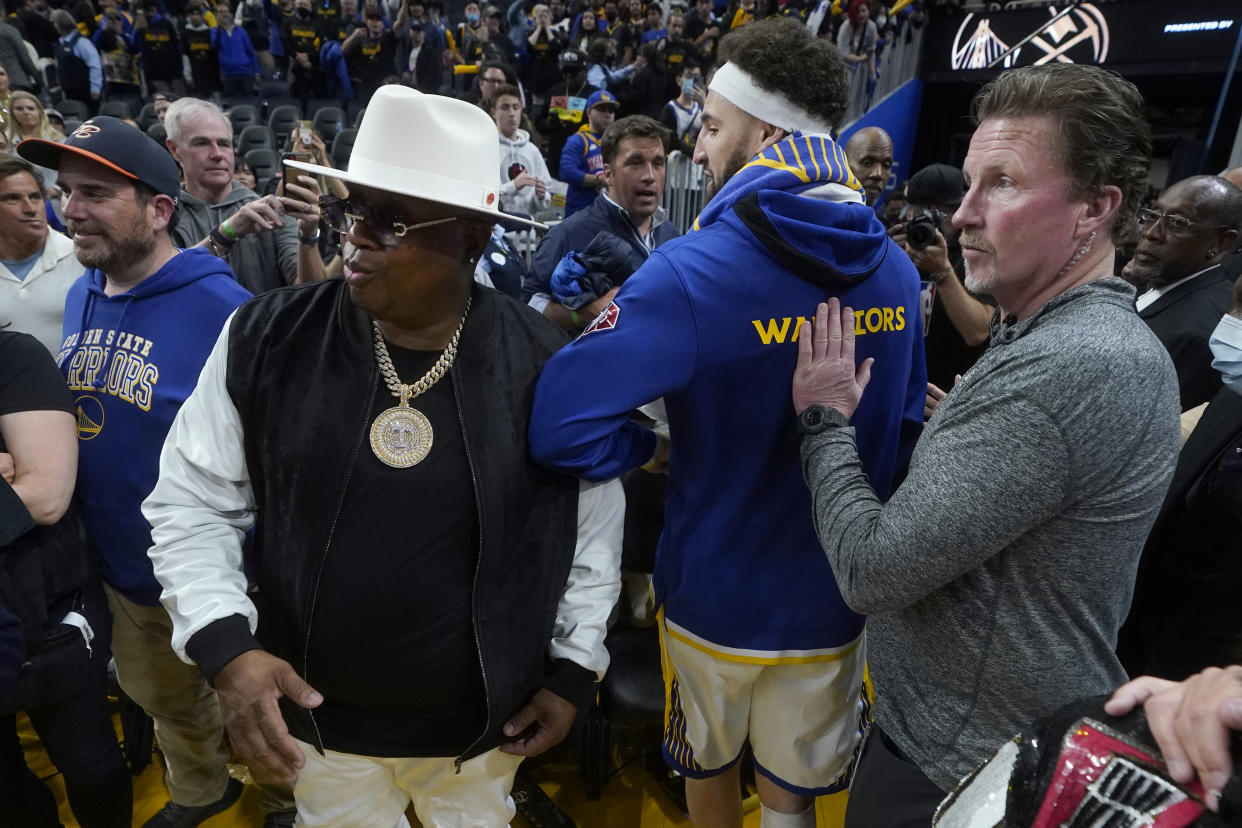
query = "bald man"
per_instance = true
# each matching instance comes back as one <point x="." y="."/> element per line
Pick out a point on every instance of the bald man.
<point x="870" y="153"/>
<point x="1232" y="263"/>
<point x="1183" y="238"/>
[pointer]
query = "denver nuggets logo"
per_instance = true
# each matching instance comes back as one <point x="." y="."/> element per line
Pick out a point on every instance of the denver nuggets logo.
<point x="85" y="131"/>
<point x="90" y="417"/>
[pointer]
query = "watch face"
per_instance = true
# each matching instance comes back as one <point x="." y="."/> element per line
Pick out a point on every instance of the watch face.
<point x="814" y="417"/>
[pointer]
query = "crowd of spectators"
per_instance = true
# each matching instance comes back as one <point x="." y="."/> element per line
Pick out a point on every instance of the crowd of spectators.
<point x="588" y="103"/>
<point x="653" y="58"/>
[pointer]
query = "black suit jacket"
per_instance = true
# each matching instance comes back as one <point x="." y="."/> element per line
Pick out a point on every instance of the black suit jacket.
<point x="428" y="69"/>
<point x="1183" y="319"/>
<point x="1185" y="614"/>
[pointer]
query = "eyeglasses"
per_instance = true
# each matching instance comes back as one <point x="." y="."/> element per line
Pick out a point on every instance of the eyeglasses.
<point x="341" y="213"/>
<point x="1175" y="224"/>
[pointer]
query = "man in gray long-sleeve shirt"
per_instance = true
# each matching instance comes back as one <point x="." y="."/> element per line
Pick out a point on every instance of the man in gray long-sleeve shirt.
<point x="998" y="574"/>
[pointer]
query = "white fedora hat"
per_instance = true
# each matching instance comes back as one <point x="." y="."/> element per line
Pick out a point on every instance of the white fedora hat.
<point x="430" y="147"/>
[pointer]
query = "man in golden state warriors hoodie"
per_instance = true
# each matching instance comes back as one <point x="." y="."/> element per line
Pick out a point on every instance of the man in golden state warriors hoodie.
<point x="138" y="327"/>
<point x="759" y="645"/>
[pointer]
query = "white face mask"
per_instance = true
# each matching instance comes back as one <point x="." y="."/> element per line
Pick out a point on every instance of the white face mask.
<point x="1226" y="345"/>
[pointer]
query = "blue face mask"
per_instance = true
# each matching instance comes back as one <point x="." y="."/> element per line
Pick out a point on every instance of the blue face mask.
<point x="1226" y="345"/>
<point x="472" y="19"/>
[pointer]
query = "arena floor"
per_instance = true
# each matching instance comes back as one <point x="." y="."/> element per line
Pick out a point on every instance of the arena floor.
<point x="632" y="799"/>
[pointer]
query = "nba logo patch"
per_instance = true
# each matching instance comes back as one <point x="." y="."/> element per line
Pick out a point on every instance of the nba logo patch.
<point x="607" y="319"/>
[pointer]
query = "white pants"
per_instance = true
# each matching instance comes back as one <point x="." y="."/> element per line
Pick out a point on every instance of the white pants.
<point x="342" y="790"/>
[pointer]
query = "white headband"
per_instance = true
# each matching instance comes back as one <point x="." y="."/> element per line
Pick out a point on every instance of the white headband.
<point x="738" y="88"/>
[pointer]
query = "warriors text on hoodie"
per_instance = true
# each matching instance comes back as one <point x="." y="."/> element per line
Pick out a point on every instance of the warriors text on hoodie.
<point x="130" y="361"/>
<point x="710" y="323"/>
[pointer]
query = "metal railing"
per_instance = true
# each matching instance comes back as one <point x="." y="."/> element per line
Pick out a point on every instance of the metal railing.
<point x="898" y="64"/>
<point x="684" y="194"/>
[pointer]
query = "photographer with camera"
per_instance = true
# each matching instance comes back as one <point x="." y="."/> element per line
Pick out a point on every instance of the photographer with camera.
<point x="955" y="323"/>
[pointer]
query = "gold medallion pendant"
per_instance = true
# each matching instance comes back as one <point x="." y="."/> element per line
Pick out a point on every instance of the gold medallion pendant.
<point x="401" y="437"/>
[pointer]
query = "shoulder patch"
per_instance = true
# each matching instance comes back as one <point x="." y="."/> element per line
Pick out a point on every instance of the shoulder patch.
<point x="606" y="321"/>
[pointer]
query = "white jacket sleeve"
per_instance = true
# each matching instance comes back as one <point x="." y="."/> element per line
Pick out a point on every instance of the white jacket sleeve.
<point x="201" y="508"/>
<point x="594" y="579"/>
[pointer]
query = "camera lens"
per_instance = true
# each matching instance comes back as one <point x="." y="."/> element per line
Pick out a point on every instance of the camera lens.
<point x="921" y="232"/>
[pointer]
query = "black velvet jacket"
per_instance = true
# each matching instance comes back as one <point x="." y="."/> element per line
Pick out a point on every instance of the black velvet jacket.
<point x="302" y="375"/>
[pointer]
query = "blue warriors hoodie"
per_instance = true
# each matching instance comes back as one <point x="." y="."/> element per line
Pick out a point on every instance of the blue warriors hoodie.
<point x="710" y="323"/>
<point x="131" y="360"/>
<point x="581" y="156"/>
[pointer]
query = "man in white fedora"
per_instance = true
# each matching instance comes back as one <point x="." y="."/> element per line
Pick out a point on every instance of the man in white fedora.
<point x="430" y="605"/>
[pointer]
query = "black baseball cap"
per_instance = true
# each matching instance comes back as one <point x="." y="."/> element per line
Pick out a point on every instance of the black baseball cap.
<point x="936" y="185"/>
<point x="114" y="144"/>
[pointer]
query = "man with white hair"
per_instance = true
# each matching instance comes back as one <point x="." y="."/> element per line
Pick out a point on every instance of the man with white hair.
<point x="269" y="241"/>
<point x="433" y="608"/>
<point x="758" y="642"/>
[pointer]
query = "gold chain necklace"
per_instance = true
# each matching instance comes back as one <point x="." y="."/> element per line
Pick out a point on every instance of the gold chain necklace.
<point x="401" y="436"/>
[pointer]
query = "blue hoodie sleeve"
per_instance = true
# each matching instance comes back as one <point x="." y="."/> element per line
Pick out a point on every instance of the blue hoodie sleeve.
<point x="580" y="422"/>
<point x="573" y="166"/>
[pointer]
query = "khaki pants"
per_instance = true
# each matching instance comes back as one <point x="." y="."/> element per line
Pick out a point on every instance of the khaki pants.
<point x="343" y="790"/>
<point x="175" y="695"/>
<point x="184" y="707"/>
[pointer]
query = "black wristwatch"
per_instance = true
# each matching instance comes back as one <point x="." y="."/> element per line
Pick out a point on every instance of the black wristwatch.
<point x="819" y="418"/>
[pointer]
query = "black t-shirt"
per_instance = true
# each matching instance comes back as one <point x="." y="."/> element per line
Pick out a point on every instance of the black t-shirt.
<point x="29" y="379"/>
<point x="676" y="53"/>
<point x="373" y="60"/>
<point x="301" y="34"/>
<point x="629" y="35"/>
<point x="947" y="353"/>
<point x="392" y="645"/>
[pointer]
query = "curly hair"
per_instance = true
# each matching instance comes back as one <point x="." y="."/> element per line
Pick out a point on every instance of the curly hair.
<point x="1103" y="138"/>
<point x="784" y="57"/>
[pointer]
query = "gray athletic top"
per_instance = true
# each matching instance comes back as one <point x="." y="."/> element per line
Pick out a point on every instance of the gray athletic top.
<point x="999" y="572"/>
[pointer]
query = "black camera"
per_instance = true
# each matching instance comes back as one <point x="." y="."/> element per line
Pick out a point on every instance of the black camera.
<point x="922" y="228"/>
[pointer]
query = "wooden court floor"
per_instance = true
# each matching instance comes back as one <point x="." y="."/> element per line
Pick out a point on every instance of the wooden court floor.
<point x="632" y="799"/>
